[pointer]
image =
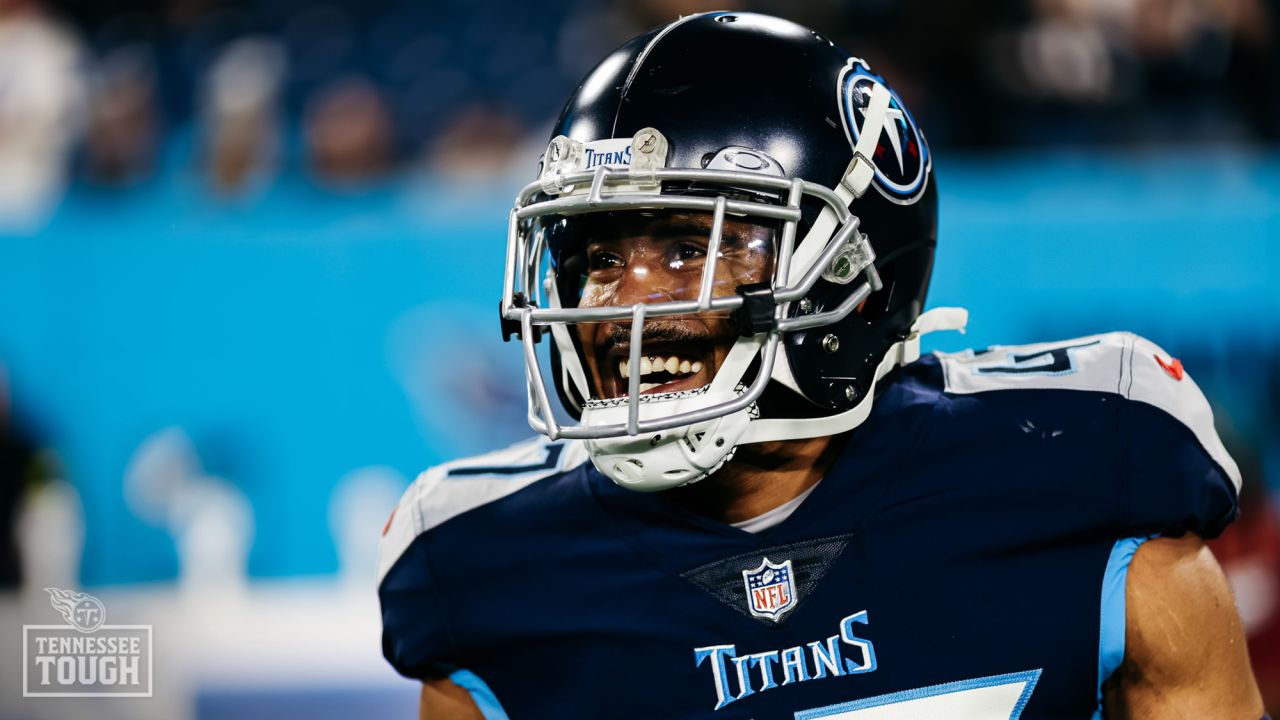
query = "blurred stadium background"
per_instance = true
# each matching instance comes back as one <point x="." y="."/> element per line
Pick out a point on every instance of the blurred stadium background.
<point x="250" y="251"/>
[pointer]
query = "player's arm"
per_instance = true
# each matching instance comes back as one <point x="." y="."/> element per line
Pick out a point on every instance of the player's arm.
<point x="1185" y="654"/>
<point x="443" y="700"/>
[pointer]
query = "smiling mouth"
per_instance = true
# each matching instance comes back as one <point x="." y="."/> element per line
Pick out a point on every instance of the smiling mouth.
<point x="678" y="356"/>
<point x="659" y="371"/>
<point x="665" y="367"/>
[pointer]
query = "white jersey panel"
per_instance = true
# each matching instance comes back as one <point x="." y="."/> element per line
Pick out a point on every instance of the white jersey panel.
<point x="448" y="490"/>
<point x="999" y="697"/>
<point x="1121" y="363"/>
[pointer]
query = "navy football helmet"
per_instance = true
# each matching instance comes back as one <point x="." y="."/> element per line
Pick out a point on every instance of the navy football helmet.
<point x="730" y="119"/>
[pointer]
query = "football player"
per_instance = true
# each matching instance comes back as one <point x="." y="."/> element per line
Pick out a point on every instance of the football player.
<point x="758" y="500"/>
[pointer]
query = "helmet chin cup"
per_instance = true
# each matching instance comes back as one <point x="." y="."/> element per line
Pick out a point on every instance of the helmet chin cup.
<point x="669" y="458"/>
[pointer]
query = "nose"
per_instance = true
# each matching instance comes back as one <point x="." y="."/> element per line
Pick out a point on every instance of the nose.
<point x="649" y="279"/>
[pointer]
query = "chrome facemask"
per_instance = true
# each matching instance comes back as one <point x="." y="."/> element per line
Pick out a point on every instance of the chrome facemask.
<point x="566" y="189"/>
<point x="574" y="180"/>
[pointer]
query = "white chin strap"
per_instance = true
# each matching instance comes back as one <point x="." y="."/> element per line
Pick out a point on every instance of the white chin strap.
<point x="679" y="456"/>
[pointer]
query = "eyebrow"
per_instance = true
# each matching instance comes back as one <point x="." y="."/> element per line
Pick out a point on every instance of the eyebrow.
<point x="669" y="227"/>
<point x="665" y="228"/>
<point x="685" y="226"/>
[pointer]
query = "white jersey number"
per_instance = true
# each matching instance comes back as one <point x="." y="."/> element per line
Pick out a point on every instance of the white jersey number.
<point x="999" y="697"/>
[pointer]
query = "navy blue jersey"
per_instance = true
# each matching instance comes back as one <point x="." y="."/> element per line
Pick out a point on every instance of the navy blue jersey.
<point x="964" y="558"/>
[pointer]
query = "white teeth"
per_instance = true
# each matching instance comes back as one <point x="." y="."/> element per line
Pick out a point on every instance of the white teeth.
<point x="673" y="364"/>
<point x="648" y="386"/>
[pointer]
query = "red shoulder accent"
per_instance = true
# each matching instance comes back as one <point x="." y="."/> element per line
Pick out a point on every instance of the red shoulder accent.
<point x="1173" y="368"/>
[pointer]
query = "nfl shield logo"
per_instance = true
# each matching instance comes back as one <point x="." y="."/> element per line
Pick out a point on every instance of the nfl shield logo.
<point x="771" y="589"/>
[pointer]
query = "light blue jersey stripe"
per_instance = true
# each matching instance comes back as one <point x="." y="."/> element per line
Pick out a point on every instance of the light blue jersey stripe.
<point x="1111" y="626"/>
<point x="480" y="693"/>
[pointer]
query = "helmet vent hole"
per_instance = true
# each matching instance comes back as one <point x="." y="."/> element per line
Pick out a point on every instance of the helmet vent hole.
<point x="727" y="18"/>
<point x="673" y="473"/>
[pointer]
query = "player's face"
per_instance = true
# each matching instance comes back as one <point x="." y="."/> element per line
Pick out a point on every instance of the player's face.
<point x="646" y="258"/>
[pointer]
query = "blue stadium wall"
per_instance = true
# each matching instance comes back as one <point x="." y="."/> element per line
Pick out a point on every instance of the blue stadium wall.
<point x="304" y="333"/>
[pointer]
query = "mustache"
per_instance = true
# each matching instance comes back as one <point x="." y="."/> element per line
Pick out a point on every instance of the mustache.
<point x="660" y="330"/>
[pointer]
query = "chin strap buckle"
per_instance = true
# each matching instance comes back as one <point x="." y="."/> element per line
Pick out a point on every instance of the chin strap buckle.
<point x="757" y="313"/>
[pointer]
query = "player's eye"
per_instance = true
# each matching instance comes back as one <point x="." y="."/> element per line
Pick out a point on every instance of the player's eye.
<point x="689" y="251"/>
<point x="602" y="260"/>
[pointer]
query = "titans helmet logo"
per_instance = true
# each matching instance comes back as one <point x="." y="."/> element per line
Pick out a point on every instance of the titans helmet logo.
<point x="901" y="155"/>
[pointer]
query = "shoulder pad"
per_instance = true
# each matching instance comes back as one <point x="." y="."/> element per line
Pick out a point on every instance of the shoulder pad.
<point x="1120" y="363"/>
<point x="451" y="489"/>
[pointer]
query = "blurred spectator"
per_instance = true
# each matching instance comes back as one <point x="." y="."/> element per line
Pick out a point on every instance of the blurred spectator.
<point x="210" y="519"/>
<point x="41" y="101"/>
<point x="653" y="13"/>
<point x="120" y="143"/>
<point x="1254" y="65"/>
<point x="435" y="79"/>
<point x="1225" y="45"/>
<point x="19" y="471"/>
<point x="1070" y="52"/>
<point x="241" y="113"/>
<point x="349" y="134"/>
<point x="1136" y="71"/>
<point x="477" y="143"/>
